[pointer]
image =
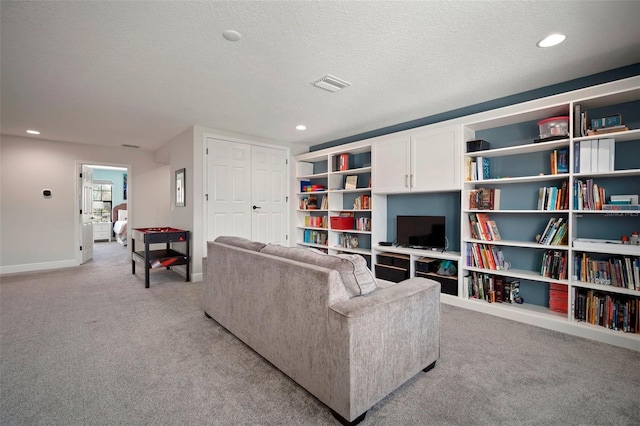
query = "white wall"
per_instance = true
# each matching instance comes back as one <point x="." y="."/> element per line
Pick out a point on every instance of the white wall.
<point x="39" y="233"/>
<point x="153" y="207"/>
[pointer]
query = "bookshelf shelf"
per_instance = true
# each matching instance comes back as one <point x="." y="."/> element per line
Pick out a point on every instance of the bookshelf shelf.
<point x="515" y="243"/>
<point x="615" y="173"/>
<point x="519" y="179"/>
<point x="523" y="211"/>
<point x="524" y="307"/>
<point x="351" y="250"/>
<point x="352" y="231"/>
<point x="626" y="136"/>
<point x="605" y="288"/>
<point x="520" y="149"/>
<point x="313" y="176"/>
<point x="359" y="170"/>
<point x="518" y="273"/>
<point x="320" y="246"/>
<point x="349" y="191"/>
<point x="311" y="228"/>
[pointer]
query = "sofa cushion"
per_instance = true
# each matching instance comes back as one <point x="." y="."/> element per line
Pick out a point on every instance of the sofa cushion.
<point x="356" y="277"/>
<point x="240" y="242"/>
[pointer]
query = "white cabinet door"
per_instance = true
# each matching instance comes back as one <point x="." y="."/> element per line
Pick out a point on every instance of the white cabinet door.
<point x="390" y="164"/>
<point x="435" y="160"/>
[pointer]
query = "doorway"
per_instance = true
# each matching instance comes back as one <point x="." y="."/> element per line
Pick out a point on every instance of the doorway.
<point x="101" y="187"/>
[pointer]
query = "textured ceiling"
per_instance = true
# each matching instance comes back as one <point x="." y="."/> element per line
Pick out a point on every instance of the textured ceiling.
<point x="124" y="72"/>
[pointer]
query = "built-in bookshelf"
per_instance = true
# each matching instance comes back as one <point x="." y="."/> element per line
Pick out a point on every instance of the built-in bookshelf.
<point x="558" y="245"/>
<point x="551" y="244"/>
<point x="340" y="182"/>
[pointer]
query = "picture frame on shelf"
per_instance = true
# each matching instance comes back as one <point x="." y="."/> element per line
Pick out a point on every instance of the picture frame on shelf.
<point x="351" y="182"/>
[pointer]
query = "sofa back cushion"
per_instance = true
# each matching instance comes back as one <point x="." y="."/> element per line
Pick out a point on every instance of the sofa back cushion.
<point x="240" y="242"/>
<point x="356" y="277"/>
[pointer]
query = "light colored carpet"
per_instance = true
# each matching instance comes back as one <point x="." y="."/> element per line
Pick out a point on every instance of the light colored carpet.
<point x="91" y="346"/>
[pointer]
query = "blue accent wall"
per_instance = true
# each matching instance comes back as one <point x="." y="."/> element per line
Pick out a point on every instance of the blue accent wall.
<point x="445" y="204"/>
<point x="115" y="176"/>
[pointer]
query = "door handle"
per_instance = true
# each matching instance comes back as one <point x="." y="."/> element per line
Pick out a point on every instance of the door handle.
<point x="256" y="207"/>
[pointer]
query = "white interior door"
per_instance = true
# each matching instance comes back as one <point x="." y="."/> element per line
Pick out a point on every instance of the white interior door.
<point x="86" y="213"/>
<point x="229" y="189"/>
<point x="269" y="191"/>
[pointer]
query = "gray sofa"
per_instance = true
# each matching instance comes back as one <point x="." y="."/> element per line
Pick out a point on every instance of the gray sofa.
<point x="322" y="320"/>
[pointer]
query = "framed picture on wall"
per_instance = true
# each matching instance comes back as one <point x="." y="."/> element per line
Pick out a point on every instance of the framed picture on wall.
<point x="180" y="188"/>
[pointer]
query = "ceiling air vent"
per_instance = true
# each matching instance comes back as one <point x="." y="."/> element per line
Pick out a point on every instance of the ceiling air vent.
<point x="331" y="83"/>
<point x="126" y="145"/>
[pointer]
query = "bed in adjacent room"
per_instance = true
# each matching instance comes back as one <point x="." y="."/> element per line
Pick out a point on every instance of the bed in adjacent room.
<point x="120" y="213"/>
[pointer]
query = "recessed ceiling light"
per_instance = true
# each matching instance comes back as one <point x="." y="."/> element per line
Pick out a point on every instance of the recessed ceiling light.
<point x="551" y="40"/>
<point x="301" y="127"/>
<point x="33" y="132"/>
<point x="232" y="35"/>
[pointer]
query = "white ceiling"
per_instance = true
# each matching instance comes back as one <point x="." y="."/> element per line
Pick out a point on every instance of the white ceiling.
<point x="141" y="72"/>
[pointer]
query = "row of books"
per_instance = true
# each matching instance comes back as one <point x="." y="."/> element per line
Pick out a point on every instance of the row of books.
<point x="478" y="168"/>
<point x="486" y="256"/>
<point x="492" y="288"/>
<point x="553" y="197"/>
<point x="484" y="199"/>
<point x="558" y="298"/>
<point x="621" y="272"/>
<point x="594" y="156"/>
<point x="555" y="233"/>
<point x="348" y="241"/>
<point x="363" y="202"/>
<point x="559" y="161"/>
<point x="596" y="126"/>
<point x="363" y="224"/>
<point x="315" y="237"/>
<point x="316" y="221"/>
<point x="554" y="264"/>
<point x="308" y="186"/>
<point x="588" y="195"/>
<point x="615" y="312"/>
<point x="310" y="202"/>
<point x="483" y="228"/>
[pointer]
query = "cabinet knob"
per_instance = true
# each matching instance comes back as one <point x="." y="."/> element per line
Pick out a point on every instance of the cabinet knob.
<point x="256" y="207"/>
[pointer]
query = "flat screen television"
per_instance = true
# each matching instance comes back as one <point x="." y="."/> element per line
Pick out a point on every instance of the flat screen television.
<point x="421" y="232"/>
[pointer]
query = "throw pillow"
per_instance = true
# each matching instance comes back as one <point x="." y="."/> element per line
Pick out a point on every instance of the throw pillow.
<point x="240" y="242"/>
<point x="356" y="276"/>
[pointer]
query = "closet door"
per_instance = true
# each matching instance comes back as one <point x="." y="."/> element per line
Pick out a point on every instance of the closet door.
<point x="247" y="191"/>
<point x="229" y="189"/>
<point x="269" y="189"/>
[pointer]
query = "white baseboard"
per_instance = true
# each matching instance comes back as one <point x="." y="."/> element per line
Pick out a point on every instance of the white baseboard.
<point x="31" y="267"/>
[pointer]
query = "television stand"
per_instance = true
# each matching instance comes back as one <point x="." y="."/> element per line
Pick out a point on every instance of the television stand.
<point x="411" y="262"/>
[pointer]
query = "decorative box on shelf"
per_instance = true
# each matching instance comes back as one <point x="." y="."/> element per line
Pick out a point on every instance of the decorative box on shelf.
<point x="340" y="222"/>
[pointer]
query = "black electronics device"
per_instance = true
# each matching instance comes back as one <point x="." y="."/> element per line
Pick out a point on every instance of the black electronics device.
<point x="424" y="232"/>
<point x="385" y="243"/>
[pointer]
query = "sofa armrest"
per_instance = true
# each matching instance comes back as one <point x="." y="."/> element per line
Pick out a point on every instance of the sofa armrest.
<point x="381" y="340"/>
